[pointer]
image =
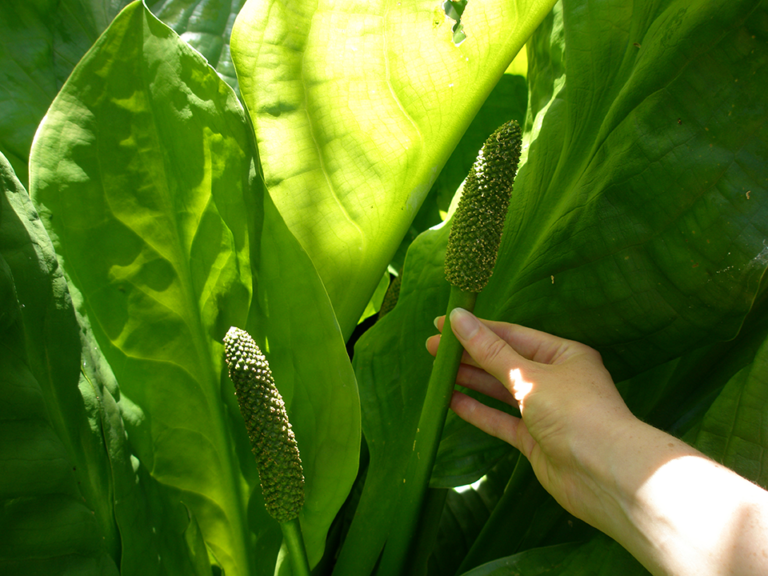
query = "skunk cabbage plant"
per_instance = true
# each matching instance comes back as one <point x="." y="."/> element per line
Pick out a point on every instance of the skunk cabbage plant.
<point x="171" y="169"/>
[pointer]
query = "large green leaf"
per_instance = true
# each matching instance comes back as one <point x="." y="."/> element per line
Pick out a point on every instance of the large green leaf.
<point x="357" y="106"/>
<point x="146" y="174"/>
<point x="638" y="220"/>
<point x="82" y="400"/>
<point x="55" y="469"/>
<point x="139" y="170"/>
<point x="733" y="430"/>
<point x="295" y="321"/>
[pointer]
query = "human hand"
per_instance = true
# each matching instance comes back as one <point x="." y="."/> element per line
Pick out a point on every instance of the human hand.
<point x="675" y="510"/>
<point x="569" y="404"/>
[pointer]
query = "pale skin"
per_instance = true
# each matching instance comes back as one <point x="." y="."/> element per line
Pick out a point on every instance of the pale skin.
<point x="678" y="512"/>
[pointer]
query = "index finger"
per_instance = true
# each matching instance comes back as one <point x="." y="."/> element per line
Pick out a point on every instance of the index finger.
<point x="531" y="344"/>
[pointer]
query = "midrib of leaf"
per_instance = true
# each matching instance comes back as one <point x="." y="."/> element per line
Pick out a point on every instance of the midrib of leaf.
<point x="180" y="263"/>
<point x="202" y="350"/>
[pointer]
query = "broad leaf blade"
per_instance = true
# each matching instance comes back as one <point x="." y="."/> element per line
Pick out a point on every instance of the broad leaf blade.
<point x="635" y="224"/>
<point x="733" y="430"/>
<point x="147" y="176"/>
<point x="294" y="319"/>
<point x="140" y="170"/>
<point x="55" y="468"/>
<point x="41" y="41"/>
<point x="356" y="107"/>
<point x="82" y="400"/>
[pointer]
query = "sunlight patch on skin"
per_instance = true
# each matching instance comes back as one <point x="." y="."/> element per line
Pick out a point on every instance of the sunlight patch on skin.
<point x="520" y="386"/>
<point x="676" y="491"/>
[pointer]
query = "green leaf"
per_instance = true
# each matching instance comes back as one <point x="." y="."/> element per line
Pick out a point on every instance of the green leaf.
<point x="601" y="556"/>
<point x="206" y="26"/>
<point x="83" y="400"/>
<point x="294" y="320"/>
<point x="733" y="429"/>
<point x="55" y="470"/>
<point x="629" y="230"/>
<point x="140" y="170"/>
<point x="356" y="109"/>
<point x="147" y="178"/>
<point x="42" y="40"/>
<point x="391" y="393"/>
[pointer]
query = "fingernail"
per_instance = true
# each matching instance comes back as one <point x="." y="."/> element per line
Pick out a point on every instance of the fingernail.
<point x="464" y="324"/>
<point x="435" y="322"/>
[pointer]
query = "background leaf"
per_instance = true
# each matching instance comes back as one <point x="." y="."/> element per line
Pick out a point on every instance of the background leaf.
<point x="138" y="524"/>
<point x="356" y="107"/>
<point x="206" y="26"/>
<point x="42" y="40"/>
<point x="629" y="230"/>
<point x="55" y="470"/>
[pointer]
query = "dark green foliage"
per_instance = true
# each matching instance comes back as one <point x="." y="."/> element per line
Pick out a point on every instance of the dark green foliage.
<point x="479" y="220"/>
<point x="272" y="439"/>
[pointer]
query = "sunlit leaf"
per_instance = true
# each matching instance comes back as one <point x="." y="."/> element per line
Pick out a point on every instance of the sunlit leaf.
<point x="147" y="176"/>
<point x="357" y="106"/>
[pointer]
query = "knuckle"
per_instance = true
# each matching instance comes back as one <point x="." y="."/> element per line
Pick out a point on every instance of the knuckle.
<point x="494" y="351"/>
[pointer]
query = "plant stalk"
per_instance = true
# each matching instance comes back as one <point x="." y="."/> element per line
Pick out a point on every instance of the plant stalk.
<point x="427" y="440"/>
<point x="294" y="541"/>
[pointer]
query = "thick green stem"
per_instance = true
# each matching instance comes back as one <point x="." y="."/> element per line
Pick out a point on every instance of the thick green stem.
<point x="427" y="440"/>
<point x="294" y="541"/>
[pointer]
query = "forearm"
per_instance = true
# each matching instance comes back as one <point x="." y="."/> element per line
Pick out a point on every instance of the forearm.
<point x="677" y="511"/>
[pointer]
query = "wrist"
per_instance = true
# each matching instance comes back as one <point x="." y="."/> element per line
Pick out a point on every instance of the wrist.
<point x="610" y="462"/>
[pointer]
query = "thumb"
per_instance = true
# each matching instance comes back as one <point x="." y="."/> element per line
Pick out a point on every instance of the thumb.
<point x="489" y="351"/>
